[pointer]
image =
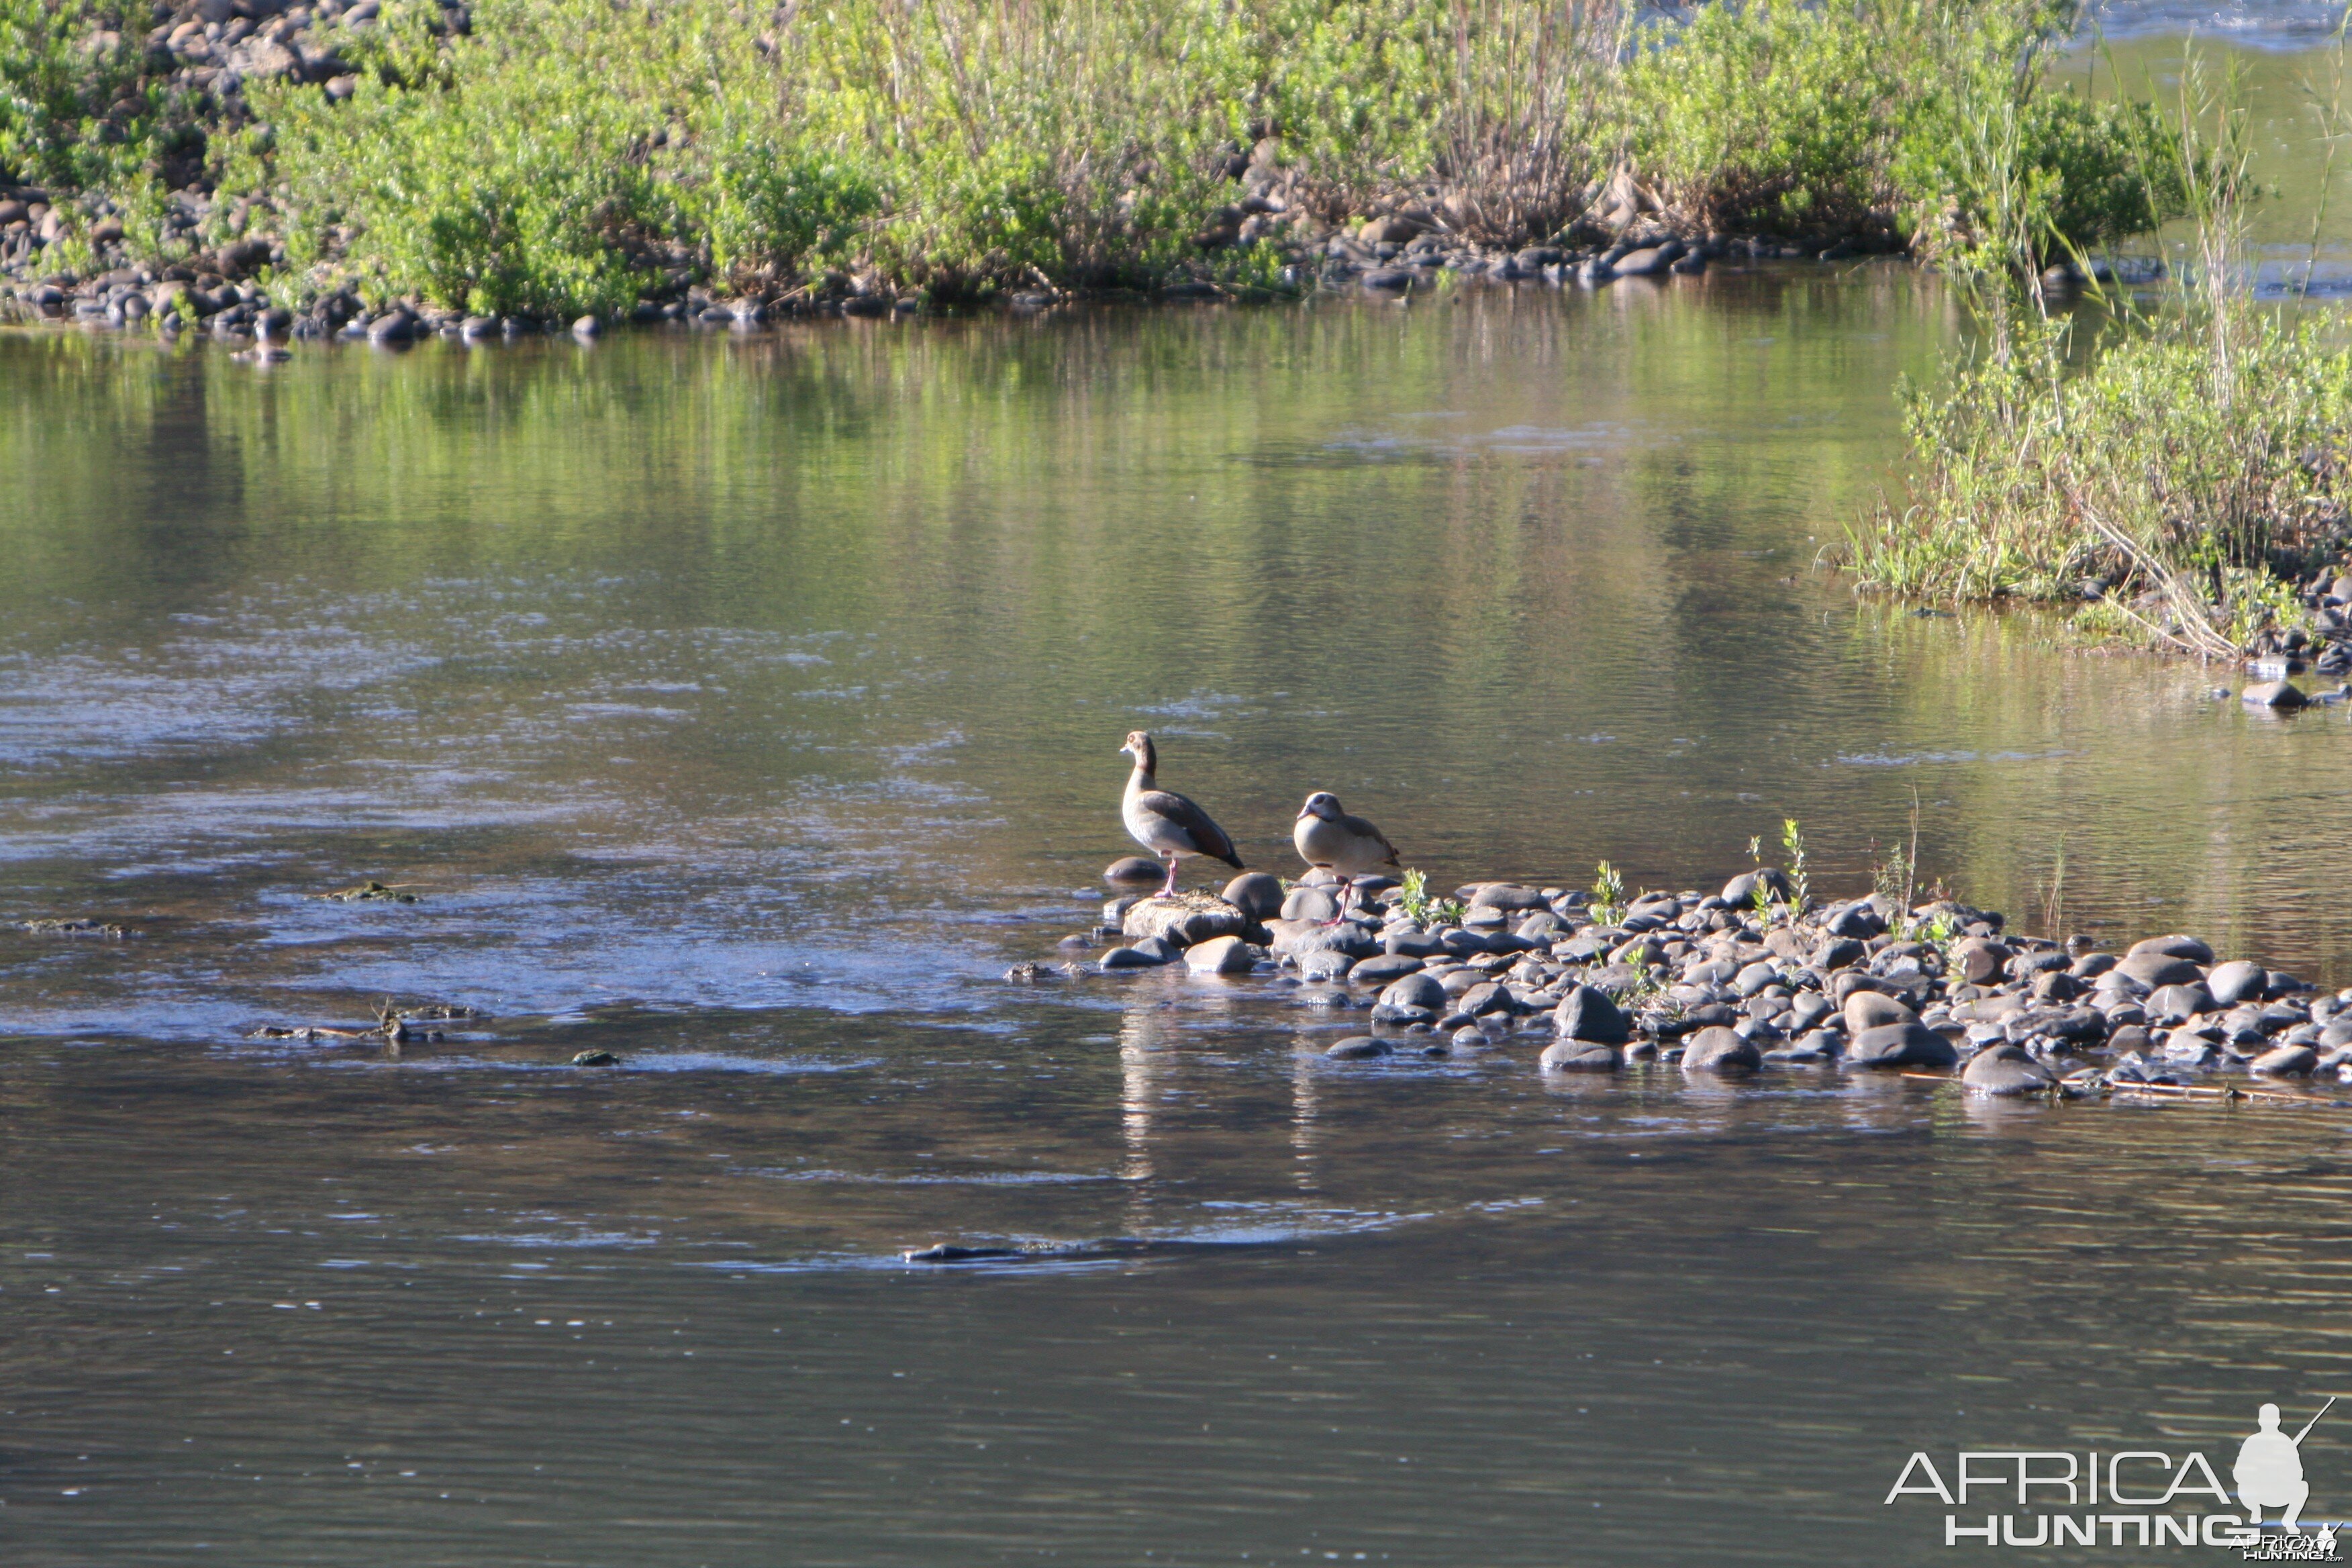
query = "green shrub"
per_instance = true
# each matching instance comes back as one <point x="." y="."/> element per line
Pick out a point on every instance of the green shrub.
<point x="77" y="111"/>
<point x="2032" y="478"/>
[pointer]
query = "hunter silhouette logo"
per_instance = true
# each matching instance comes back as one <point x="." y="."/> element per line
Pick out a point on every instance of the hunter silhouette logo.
<point x="2131" y="1497"/>
<point x="2269" y="1471"/>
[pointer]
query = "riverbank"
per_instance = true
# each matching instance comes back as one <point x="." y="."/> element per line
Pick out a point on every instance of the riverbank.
<point x="538" y="161"/>
<point x="1759" y="976"/>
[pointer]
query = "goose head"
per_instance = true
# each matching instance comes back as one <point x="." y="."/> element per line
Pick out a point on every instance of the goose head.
<point x="1322" y="804"/>
<point x="1139" y="746"/>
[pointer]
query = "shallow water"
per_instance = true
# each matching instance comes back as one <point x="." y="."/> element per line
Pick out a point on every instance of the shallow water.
<point x="744" y="706"/>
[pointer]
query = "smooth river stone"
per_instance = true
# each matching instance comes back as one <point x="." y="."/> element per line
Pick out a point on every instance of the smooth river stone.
<point x="1587" y="1015"/>
<point x="1134" y="871"/>
<point x="1383" y="968"/>
<point x="1900" y="1046"/>
<point x="2173" y="946"/>
<point x="1358" y="1047"/>
<point x="1718" y="1049"/>
<point x="1220" y="955"/>
<point x="1310" y="904"/>
<point x="2285" y="1062"/>
<point x="1414" y="991"/>
<point x="2157" y="970"/>
<point x="1255" y="894"/>
<point x="1871" y="1009"/>
<point x="2232" y="984"/>
<point x="1579" y="1056"/>
<point x="2005" y="1070"/>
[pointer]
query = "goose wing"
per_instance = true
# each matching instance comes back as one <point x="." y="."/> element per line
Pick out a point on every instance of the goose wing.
<point x="1363" y="829"/>
<point x="1207" y="837"/>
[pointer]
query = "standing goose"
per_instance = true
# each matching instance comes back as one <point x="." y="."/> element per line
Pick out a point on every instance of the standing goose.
<point x="1330" y="840"/>
<point x="1163" y="821"/>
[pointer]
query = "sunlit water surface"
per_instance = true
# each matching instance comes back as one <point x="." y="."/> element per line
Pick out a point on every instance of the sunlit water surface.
<point x="745" y="706"/>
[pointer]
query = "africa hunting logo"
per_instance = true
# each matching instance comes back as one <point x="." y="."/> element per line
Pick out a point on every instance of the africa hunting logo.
<point x="2139" y="1497"/>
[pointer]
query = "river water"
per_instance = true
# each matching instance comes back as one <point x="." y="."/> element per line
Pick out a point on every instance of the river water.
<point x="745" y="705"/>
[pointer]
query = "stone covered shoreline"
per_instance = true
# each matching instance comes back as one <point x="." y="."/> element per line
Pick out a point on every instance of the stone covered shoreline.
<point x="1752" y="978"/>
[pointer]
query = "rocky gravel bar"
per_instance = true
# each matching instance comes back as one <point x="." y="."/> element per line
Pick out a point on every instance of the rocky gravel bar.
<point x="1756" y="978"/>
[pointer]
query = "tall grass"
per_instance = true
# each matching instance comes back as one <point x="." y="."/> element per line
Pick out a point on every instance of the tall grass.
<point x="2175" y="463"/>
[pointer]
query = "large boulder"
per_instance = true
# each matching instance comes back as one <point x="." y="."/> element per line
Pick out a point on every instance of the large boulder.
<point x="1184" y="920"/>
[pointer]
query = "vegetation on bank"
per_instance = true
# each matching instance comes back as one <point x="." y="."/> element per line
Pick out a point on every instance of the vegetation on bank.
<point x="2178" y="471"/>
<point x="553" y="156"/>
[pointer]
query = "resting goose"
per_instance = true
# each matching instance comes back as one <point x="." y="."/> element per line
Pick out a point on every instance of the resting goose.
<point x="1330" y="840"/>
<point x="1163" y="821"/>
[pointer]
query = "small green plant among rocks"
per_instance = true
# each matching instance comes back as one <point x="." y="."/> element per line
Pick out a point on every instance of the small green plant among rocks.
<point x="1793" y="842"/>
<point x="1412" y="898"/>
<point x="1608" y="894"/>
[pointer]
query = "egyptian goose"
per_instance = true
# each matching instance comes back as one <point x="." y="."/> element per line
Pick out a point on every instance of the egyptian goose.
<point x="1330" y="840"/>
<point x="1163" y="821"/>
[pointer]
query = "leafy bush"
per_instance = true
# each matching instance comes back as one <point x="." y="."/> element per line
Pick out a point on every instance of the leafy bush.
<point x="2151" y="464"/>
<point x="577" y="154"/>
<point x="77" y="111"/>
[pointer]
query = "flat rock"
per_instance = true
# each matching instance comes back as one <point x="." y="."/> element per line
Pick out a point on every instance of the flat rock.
<point x="2005" y="1070"/>
<point x="1220" y="955"/>
<point x="1356" y="1048"/>
<point x="1718" y="1049"/>
<point x="1509" y="897"/>
<point x="1184" y="920"/>
<point x="1900" y="1046"/>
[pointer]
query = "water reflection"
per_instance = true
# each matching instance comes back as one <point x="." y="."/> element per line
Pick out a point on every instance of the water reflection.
<point x="741" y="708"/>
